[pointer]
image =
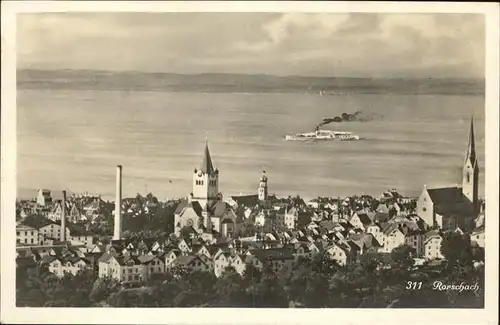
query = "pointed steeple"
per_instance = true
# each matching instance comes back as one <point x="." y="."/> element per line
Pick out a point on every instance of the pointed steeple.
<point x="471" y="149"/>
<point x="207" y="166"/>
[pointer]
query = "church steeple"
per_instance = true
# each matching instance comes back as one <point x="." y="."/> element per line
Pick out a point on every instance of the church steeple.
<point x="206" y="180"/>
<point x="471" y="149"/>
<point x="470" y="181"/>
<point x="263" y="187"/>
<point x="207" y="166"/>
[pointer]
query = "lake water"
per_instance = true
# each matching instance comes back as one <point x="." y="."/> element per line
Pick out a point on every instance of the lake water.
<point x="73" y="139"/>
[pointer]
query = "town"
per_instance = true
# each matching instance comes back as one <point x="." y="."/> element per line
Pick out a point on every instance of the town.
<point x="137" y="241"/>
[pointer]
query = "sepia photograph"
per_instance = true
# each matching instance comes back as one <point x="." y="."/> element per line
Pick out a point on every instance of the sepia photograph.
<point x="234" y="159"/>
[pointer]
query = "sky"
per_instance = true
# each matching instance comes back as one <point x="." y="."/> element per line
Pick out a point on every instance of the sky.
<point x="312" y="44"/>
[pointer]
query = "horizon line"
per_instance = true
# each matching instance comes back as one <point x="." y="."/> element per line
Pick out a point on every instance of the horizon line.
<point x="477" y="79"/>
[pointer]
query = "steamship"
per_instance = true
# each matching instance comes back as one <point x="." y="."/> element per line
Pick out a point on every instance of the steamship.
<point x="323" y="135"/>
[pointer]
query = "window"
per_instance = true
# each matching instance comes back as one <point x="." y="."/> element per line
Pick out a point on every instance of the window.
<point x="424" y="209"/>
<point x="32" y="240"/>
<point x="18" y="233"/>
<point x="468" y="177"/>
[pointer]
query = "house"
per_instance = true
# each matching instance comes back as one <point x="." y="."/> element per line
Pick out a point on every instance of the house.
<point x="151" y="265"/>
<point x="44" y="197"/>
<point x="81" y="237"/>
<point x="260" y="219"/>
<point x="314" y="203"/>
<point x="338" y="252"/>
<point x="26" y="235"/>
<point x="360" y="220"/>
<point x="156" y="247"/>
<point x="125" y="269"/>
<point x="170" y="257"/>
<point x="214" y="251"/>
<point x="252" y="259"/>
<point x="53" y="263"/>
<point x="191" y="263"/>
<point x="374" y="229"/>
<point x="52" y="230"/>
<point x="362" y="243"/>
<point x="333" y="205"/>
<point x="391" y="195"/>
<point x="239" y="264"/>
<point x="291" y="216"/>
<point x="98" y="248"/>
<point x="208" y="261"/>
<point x="432" y="246"/>
<point x="392" y="237"/>
<point x="75" y="215"/>
<point x="74" y="264"/>
<point x="276" y="258"/>
<point x="477" y="236"/>
<point x="416" y="239"/>
<point x="184" y="247"/>
<point x="221" y="263"/>
<point x="305" y="249"/>
<point x="56" y="213"/>
<point x="93" y="208"/>
<point x="60" y="265"/>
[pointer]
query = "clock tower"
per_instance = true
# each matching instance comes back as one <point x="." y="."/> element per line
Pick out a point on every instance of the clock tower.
<point x="206" y="181"/>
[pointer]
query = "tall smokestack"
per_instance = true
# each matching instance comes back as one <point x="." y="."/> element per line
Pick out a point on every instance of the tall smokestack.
<point x="63" y="217"/>
<point x="118" y="204"/>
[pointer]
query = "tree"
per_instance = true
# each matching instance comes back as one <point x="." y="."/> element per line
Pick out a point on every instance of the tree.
<point x="103" y="288"/>
<point x="38" y="288"/>
<point x="268" y="293"/>
<point x="402" y="256"/>
<point x="230" y="290"/>
<point x="456" y="249"/>
<point x="251" y="275"/>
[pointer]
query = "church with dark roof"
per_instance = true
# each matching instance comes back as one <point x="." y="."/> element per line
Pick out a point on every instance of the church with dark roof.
<point x="451" y="207"/>
<point x="203" y="211"/>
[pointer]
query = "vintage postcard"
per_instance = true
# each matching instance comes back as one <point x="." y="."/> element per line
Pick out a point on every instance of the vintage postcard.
<point x="267" y="162"/>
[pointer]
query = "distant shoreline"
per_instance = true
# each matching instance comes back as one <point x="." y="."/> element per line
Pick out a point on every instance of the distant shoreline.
<point x="242" y="83"/>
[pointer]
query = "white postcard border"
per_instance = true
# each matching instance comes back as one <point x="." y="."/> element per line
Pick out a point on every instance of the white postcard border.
<point x="11" y="314"/>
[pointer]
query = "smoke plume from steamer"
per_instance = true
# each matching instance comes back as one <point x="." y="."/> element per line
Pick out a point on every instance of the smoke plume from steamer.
<point x="346" y="117"/>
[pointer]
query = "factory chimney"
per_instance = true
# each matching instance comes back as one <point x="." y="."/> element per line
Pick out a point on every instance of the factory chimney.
<point x="118" y="204"/>
<point x="63" y="217"/>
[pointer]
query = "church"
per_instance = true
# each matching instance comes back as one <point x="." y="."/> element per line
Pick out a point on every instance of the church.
<point x="261" y="200"/>
<point x="203" y="211"/>
<point x="451" y="207"/>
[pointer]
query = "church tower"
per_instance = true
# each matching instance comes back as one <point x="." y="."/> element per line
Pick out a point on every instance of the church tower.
<point x="470" y="180"/>
<point x="263" y="187"/>
<point x="206" y="181"/>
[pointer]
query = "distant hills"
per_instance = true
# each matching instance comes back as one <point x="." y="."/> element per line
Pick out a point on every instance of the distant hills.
<point x="228" y="83"/>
